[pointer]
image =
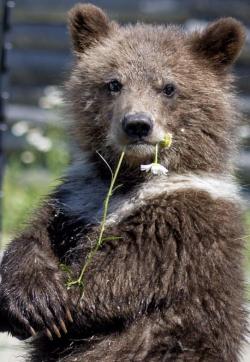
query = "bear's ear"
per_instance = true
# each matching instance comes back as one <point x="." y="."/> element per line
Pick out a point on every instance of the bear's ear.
<point x="220" y="43"/>
<point x="87" y="25"/>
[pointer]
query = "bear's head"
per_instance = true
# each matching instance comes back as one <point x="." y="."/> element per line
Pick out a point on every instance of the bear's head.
<point x="133" y="84"/>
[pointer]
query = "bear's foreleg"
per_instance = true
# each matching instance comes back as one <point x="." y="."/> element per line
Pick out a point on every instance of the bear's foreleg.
<point x="33" y="297"/>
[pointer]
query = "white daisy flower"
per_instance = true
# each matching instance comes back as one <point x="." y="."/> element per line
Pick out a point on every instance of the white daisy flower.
<point x="155" y="169"/>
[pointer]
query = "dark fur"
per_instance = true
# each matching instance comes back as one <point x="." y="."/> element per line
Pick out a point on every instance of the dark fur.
<point x="171" y="289"/>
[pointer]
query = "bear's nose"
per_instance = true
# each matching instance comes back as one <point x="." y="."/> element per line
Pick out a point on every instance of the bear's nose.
<point x="137" y="125"/>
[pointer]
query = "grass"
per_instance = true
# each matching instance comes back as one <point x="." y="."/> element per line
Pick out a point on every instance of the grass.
<point x="25" y="184"/>
<point x="22" y="192"/>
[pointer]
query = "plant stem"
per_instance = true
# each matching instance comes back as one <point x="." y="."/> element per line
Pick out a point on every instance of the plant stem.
<point x="98" y="244"/>
<point x="156" y="153"/>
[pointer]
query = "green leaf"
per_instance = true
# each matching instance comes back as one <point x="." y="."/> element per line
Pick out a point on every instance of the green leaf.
<point x="65" y="268"/>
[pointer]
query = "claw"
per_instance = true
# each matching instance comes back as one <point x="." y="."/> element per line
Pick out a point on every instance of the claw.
<point x="32" y="331"/>
<point x="49" y="334"/>
<point x="63" y="326"/>
<point x="69" y="316"/>
<point x="56" y="330"/>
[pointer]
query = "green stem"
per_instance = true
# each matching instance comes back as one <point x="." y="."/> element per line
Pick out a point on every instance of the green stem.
<point x="156" y="153"/>
<point x="92" y="253"/>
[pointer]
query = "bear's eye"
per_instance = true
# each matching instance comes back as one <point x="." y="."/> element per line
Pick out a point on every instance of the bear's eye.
<point x="114" y="86"/>
<point x="169" y="90"/>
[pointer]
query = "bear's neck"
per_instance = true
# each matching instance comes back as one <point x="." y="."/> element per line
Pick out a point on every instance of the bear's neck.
<point x="129" y="177"/>
<point x="86" y="185"/>
<point x="88" y="180"/>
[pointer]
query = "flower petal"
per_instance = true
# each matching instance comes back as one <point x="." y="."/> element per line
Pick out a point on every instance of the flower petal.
<point x="155" y="168"/>
<point x="146" y="168"/>
<point x="158" y="169"/>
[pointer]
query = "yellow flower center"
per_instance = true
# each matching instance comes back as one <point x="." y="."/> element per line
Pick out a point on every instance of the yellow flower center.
<point x="167" y="140"/>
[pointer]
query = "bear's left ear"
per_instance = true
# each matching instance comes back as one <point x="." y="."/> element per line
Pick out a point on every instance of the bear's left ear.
<point x="220" y="43"/>
<point x="87" y="25"/>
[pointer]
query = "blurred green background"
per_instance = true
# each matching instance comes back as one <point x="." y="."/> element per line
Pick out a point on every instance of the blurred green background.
<point x="31" y="173"/>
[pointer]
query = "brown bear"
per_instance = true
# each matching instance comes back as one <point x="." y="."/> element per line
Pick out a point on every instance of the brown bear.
<point x="170" y="286"/>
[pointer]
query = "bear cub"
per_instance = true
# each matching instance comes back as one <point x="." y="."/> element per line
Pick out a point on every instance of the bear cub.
<point x="170" y="288"/>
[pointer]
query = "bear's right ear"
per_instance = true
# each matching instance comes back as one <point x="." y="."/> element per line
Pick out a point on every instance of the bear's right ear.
<point x="87" y="25"/>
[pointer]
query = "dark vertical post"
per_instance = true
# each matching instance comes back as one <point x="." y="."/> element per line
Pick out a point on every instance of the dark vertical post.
<point x="4" y="46"/>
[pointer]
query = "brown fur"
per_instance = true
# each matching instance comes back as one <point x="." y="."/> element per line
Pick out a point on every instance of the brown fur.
<point x="170" y="288"/>
<point x="87" y="26"/>
<point x="144" y="58"/>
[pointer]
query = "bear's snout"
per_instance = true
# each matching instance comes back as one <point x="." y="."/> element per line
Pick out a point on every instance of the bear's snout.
<point x="137" y="125"/>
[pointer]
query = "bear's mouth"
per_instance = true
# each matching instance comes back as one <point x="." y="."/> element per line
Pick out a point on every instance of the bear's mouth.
<point x="140" y="149"/>
<point x="140" y="142"/>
